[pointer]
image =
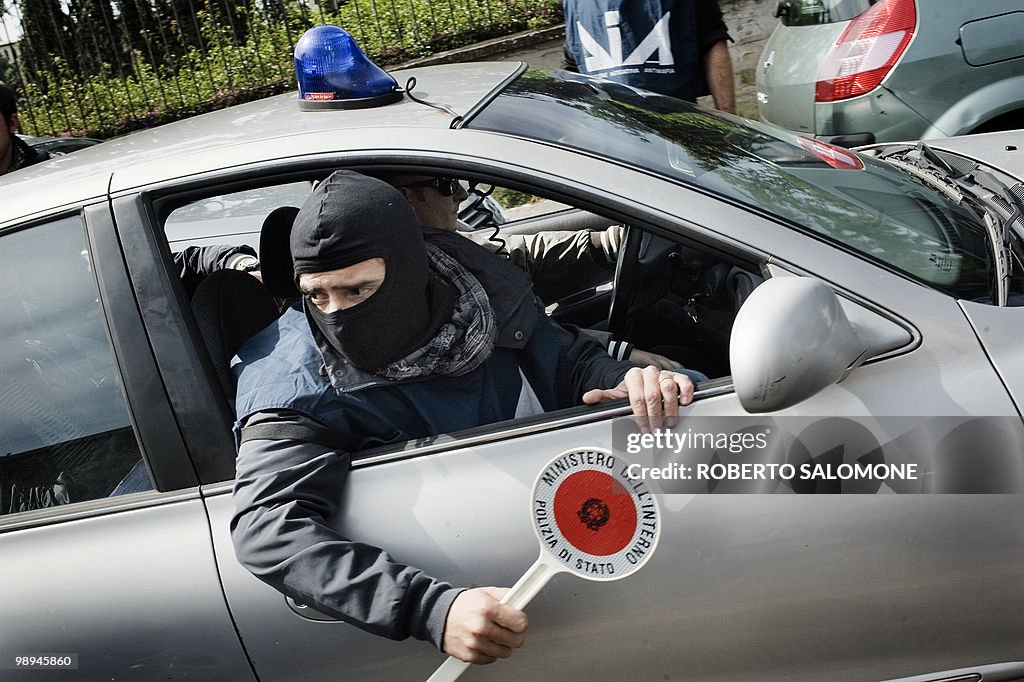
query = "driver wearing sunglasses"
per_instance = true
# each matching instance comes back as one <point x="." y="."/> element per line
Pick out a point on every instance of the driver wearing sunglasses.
<point x="435" y="201"/>
<point x="547" y="257"/>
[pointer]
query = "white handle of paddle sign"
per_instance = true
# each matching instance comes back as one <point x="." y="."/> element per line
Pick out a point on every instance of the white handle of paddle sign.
<point x="591" y="519"/>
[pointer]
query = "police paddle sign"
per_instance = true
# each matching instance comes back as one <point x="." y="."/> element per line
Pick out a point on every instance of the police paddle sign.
<point x="591" y="519"/>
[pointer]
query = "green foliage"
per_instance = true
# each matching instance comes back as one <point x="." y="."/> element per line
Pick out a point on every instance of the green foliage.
<point x="228" y="70"/>
<point x="510" y="198"/>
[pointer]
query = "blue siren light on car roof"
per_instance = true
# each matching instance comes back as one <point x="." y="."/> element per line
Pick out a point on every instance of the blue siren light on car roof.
<point x="333" y="73"/>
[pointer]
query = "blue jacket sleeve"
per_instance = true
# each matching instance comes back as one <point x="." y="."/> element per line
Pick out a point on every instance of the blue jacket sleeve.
<point x="286" y="493"/>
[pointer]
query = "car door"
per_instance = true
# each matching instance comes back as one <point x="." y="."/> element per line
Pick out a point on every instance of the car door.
<point x="807" y="586"/>
<point x="105" y="554"/>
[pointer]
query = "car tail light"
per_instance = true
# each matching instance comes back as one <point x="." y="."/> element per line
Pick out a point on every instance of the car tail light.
<point x="868" y="49"/>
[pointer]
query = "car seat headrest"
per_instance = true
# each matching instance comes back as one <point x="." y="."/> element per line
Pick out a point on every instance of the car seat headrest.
<point x="275" y="253"/>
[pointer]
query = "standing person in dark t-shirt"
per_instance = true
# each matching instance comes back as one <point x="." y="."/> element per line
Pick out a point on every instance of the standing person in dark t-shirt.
<point x="673" y="47"/>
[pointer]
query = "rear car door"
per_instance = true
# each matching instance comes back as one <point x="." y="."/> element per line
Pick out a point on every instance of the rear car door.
<point x="105" y="553"/>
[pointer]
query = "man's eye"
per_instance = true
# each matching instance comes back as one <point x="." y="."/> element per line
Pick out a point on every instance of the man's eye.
<point x="316" y="298"/>
<point x="364" y="291"/>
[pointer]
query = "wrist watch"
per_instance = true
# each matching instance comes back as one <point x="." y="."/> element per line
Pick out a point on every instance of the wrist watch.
<point x="247" y="264"/>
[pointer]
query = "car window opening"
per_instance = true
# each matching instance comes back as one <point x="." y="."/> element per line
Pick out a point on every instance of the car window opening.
<point x="65" y="432"/>
<point x="673" y="301"/>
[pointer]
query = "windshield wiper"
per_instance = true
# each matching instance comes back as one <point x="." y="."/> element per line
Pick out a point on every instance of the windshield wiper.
<point x="1001" y="207"/>
<point x="1005" y="205"/>
<point x="1003" y="258"/>
<point x="1013" y="197"/>
<point x="923" y="164"/>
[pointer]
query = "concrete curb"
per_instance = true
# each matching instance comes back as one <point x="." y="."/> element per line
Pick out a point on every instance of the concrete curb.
<point x="488" y="48"/>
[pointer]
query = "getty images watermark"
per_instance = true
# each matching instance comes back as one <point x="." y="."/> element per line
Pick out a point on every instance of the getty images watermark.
<point x="736" y="443"/>
<point x="751" y="454"/>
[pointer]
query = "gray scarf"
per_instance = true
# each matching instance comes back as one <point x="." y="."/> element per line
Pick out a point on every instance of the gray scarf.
<point x="463" y="343"/>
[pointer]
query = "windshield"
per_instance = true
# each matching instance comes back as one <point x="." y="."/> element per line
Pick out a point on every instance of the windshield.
<point x="861" y="203"/>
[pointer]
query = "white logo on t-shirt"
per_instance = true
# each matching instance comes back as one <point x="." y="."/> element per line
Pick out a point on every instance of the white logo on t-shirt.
<point x="599" y="59"/>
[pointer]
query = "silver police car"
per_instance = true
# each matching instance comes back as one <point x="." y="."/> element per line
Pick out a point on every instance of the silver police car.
<point x="862" y="308"/>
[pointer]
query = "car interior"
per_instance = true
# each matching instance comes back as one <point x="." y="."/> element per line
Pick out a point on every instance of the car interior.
<point x="662" y="294"/>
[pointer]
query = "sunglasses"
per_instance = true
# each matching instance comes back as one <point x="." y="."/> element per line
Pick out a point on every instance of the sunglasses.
<point x="445" y="186"/>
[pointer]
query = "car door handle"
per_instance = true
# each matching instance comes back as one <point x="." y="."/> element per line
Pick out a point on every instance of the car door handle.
<point x="308" y="612"/>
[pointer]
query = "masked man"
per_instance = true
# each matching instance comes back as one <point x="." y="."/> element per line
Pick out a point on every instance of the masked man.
<point x="396" y="340"/>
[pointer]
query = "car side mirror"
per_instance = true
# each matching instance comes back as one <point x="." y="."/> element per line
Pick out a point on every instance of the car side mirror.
<point x="792" y="338"/>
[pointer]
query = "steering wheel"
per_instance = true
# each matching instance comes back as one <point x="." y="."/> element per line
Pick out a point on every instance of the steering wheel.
<point x="642" y="276"/>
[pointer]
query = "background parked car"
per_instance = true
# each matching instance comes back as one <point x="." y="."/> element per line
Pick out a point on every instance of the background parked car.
<point x="858" y="71"/>
<point x="58" y="146"/>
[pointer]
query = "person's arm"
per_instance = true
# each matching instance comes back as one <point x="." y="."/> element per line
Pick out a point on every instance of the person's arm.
<point x="623" y="350"/>
<point x="194" y="263"/>
<point x="713" y="42"/>
<point x="654" y="394"/>
<point x="286" y="490"/>
<point x="590" y="365"/>
<point x="718" y="70"/>
<point x="560" y="255"/>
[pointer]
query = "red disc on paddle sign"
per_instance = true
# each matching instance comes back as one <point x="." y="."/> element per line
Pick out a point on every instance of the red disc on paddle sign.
<point x="592" y="517"/>
<point x="595" y="513"/>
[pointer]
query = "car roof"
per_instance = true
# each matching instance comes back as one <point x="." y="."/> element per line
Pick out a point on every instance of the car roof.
<point x="222" y="138"/>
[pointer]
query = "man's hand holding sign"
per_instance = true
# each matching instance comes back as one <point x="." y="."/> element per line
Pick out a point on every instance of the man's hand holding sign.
<point x="591" y="519"/>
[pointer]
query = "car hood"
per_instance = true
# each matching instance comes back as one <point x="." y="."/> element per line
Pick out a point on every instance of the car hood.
<point x="1002" y="150"/>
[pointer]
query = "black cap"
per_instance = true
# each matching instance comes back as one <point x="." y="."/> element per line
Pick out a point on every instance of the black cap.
<point x="351" y="217"/>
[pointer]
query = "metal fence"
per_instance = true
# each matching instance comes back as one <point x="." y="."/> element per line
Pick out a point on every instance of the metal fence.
<point x="105" y="67"/>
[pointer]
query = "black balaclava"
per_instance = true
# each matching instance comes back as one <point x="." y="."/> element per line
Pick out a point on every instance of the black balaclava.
<point x="351" y="218"/>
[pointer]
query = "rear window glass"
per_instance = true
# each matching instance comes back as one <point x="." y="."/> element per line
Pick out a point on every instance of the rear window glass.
<point x="812" y="12"/>
<point x="234" y="218"/>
